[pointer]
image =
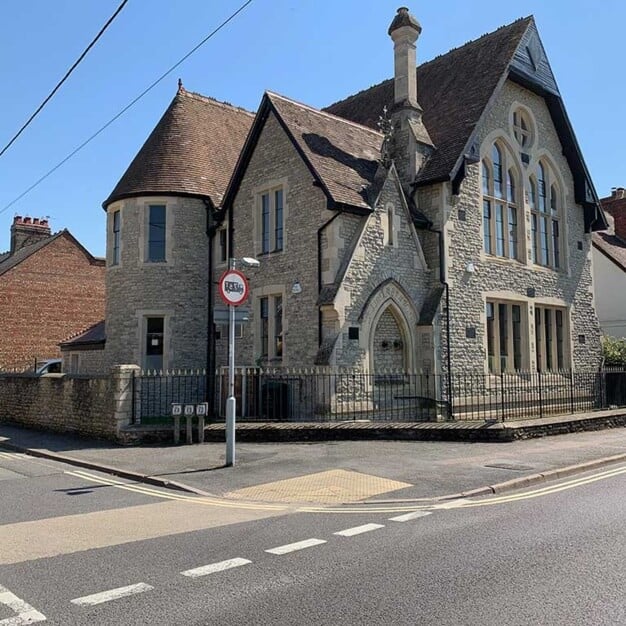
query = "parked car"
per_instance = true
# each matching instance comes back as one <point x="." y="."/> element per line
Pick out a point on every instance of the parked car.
<point x="49" y="366"/>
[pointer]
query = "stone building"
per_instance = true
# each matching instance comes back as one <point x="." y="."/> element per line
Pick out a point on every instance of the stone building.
<point x="440" y="219"/>
<point x="51" y="287"/>
<point x="609" y="266"/>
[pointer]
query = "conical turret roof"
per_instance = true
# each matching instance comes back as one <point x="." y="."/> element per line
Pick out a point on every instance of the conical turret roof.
<point x="192" y="151"/>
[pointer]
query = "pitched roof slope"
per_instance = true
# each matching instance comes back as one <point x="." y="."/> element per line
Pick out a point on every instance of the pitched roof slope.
<point x="452" y="89"/>
<point x="92" y="335"/>
<point x="9" y="261"/>
<point x="343" y="154"/>
<point x="191" y="151"/>
<point x="610" y="244"/>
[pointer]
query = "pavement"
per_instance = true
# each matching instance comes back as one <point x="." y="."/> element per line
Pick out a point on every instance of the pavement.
<point x="335" y="472"/>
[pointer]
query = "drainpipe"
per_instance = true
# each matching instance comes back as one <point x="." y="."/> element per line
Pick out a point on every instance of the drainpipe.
<point x="320" y="230"/>
<point x="210" y="335"/>
<point x="444" y="282"/>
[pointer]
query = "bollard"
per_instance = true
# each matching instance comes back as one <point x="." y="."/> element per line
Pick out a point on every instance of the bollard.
<point x="200" y="428"/>
<point x="176" y="429"/>
<point x="189" y="429"/>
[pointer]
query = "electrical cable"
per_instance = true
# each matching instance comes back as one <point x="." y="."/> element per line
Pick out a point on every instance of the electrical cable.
<point x="67" y="74"/>
<point x="128" y="106"/>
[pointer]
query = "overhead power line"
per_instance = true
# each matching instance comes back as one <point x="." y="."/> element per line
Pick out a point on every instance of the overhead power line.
<point x="128" y="106"/>
<point x="67" y="74"/>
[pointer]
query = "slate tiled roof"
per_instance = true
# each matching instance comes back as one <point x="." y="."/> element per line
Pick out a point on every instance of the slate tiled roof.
<point x="452" y="89"/>
<point x="611" y="245"/>
<point x="343" y="154"/>
<point x="191" y="151"/>
<point x="9" y="261"/>
<point x="93" y="335"/>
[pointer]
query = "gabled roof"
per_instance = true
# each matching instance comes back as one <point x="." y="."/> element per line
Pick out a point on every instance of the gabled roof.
<point x="192" y="151"/>
<point x="9" y="262"/>
<point x="453" y="91"/>
<point x="91" y="336"/>
<point x="341" y="155"/>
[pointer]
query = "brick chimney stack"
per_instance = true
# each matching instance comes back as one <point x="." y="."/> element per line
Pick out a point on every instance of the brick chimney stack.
<point x="26" y="231"/>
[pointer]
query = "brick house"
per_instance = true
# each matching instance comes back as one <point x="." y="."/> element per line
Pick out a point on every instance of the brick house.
<point x="609" y="266"/>
<point x="51" y="287"/>
<point x="442" y="218"/>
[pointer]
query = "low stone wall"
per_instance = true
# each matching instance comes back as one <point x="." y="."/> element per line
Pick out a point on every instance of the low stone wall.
<point x="92" y="407"/>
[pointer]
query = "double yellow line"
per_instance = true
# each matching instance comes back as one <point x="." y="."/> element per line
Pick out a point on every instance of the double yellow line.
<point x="149" y="491"/>
<point x="360" y="509"/>
<point x="544" y="491"/>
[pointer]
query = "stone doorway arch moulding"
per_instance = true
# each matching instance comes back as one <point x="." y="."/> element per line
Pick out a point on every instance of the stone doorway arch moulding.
<point x="389" y="295"/>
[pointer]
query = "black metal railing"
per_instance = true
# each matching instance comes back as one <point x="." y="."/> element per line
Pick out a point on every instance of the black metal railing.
<point x="324" y="394"/>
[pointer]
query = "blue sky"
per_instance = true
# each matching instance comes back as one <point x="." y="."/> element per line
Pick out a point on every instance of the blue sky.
<point x="312" y="50"/>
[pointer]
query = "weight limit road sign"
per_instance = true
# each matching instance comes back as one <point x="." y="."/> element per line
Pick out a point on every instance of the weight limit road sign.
<point x="233" y="287"/>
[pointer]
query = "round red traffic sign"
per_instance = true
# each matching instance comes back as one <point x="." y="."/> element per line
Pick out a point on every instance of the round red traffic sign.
<point x="233" y="287"/>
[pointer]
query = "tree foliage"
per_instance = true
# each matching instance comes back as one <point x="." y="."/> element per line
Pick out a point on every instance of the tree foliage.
<point x="614" y="351"/>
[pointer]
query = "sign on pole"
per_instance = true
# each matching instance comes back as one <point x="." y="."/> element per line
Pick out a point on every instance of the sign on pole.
<point x="190" y="410"/>
<point x="233" y="287"/>
<point x="177" y="409"/>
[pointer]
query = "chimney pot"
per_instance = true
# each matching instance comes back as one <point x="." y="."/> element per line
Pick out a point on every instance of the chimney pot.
<point x="27" y="220"/>
<point x="404" y="31"/>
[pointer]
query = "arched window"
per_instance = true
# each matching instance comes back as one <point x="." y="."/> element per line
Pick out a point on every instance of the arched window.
<point x="500" y="204"/>
<point x="522" y="129"/>
<point x="545" y="206"/>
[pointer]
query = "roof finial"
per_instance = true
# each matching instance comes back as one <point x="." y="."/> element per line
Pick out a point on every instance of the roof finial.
<point x="181" y="89"/>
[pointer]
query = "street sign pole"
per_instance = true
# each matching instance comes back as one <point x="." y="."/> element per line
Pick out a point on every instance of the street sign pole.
<point x="231" y="402"/>
<point x="234" y="291"/>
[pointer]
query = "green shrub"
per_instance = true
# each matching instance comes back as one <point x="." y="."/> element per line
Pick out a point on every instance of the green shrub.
<point x="614" y="351"/>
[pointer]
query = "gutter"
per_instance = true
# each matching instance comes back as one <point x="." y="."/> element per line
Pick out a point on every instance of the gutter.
<point x="444" y="282"/>
<point x="210" y="335"/>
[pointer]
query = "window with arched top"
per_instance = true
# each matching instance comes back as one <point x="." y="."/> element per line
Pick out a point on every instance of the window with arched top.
<point x="500" y="184"/>
<point x="546" y="211"/>
<point x="522" y="128"/>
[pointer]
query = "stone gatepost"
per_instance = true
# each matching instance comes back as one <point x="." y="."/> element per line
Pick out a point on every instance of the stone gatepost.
<point x="122" y="386"/>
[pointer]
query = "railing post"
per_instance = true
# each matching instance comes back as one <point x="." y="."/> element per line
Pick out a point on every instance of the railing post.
<point x="540" y="394"/>
<point x="502" y="395"/>
<point x="571" y="390"/>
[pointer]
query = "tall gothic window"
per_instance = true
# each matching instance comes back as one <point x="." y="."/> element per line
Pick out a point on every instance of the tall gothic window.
<point x="500" y="204"/>
<point x="545" y="206"/>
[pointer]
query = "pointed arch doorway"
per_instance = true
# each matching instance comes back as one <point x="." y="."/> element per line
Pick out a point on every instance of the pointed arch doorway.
<point x="390" y="341"/>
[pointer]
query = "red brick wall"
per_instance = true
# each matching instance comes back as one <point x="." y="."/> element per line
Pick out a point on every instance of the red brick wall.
<point x="51" y="295"/>
<point x="615" y="204"/>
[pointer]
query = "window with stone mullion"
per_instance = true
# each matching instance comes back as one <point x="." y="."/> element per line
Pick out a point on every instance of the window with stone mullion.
<point x="545" y="215"/>
<point x="504" y="337"/>
<point x="500" y="210"/>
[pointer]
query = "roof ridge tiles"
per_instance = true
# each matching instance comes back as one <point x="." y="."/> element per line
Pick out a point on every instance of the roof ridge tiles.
<point x="210" y="100"/>
<point x="325" y="113"/>
<point x="477" y="39"/>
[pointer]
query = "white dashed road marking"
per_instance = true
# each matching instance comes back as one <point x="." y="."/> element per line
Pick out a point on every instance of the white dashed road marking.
<point x="24" y="613"/>
<point x="215" y="567"/>
<point x="407" y="517"/>
<point x="300" y="545"/>
<point x="357" y="530"/>
<point x="112" y="594"/>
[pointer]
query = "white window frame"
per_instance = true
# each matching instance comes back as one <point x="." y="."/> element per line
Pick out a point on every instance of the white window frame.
<point x="558" y="357"/>
<point x="505" y="201"/>
<point x="551" y="214"/>
<point x="275" y="353"/>
<point x="275" y="243"/>
<point x="495" y="364"/>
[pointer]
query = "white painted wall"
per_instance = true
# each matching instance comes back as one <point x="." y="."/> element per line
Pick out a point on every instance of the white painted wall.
<point x="610" y="294"/>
